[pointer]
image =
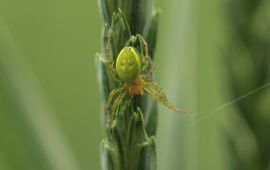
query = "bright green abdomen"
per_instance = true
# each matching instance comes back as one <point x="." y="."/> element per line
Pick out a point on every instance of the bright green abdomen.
<point x="128" y="64"/>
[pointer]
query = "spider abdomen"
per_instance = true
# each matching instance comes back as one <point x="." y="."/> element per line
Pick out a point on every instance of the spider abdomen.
<point x="128" y="64"/>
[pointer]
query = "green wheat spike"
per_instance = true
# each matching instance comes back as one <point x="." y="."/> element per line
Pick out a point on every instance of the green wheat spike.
<point x="129" y="145"/>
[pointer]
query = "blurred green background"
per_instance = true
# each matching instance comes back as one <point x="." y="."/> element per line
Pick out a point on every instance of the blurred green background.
<point x="50" y="111"/>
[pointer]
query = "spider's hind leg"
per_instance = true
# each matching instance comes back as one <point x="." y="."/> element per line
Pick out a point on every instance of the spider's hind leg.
<point x="108" y="60"/>
<point x="149" y="71"/>
<point x="144" y="45"/>
<point x="111" y="69"/>
<point x="143" y="48"/>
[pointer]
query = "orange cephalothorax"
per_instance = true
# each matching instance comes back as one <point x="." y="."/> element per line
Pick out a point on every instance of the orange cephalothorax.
<point x="135" y="87"/>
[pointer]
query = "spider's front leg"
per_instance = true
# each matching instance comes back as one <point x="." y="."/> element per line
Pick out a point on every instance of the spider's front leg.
<point x="161" y="98"/>
<point x="116" y="104"/>
<point x="156" y="86"/>
<point x="112" y="94"/>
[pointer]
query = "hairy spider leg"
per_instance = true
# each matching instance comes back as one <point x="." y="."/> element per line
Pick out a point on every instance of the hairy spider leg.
<point x="116" y="104"/>
<point x="142" y="41"/>
<point x="156" y="86"/>
<point x="143" y="45"/>
<point x="161" y="99"/>
<point x="112" y="94"/>
<point x="147" y="59"/>
<point x="145" y="75"/>
<point x="108" y="61"/>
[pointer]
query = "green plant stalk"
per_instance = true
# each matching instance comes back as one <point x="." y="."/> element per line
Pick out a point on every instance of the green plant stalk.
<point x="130" y="143"/>
<point x="248" y="60"/>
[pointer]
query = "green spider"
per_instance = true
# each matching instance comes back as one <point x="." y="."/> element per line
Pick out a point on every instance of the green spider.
<point x="134" y="77"/>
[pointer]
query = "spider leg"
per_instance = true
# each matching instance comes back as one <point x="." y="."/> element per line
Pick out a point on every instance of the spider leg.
<point x="144" y="43"/>
<point x="108" y="61"/>
<point x="147" y="62"/>
<point x="143" y="46"/>
<point x="111" y="70"/>
<point x="161" y="99"/>
<point x="116" y="104"/>
<point x="112" y="94"/>
<point x="156" y="86"/>
<point x="147" y="74"/>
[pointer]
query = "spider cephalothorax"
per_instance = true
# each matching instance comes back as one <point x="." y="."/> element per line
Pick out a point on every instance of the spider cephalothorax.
<point x="134" y="77"/>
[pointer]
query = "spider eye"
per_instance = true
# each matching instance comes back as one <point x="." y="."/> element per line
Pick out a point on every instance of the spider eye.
<point x="128" y="64"/>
